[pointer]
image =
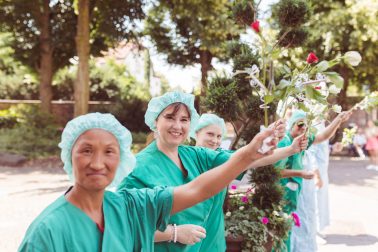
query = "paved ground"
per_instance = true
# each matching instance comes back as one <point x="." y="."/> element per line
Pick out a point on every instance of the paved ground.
<point x="24" y="192"/>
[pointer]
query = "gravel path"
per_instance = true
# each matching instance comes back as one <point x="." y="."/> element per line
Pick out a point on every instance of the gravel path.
<point x="25" y="191"/>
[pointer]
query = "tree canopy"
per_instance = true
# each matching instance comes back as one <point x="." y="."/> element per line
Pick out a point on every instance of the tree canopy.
<point x="190" y="32"/>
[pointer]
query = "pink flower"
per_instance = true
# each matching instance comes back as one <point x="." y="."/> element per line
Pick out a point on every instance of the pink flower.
<point x="233" y="187"/>
<point x="256" y="26"/>
<point x="318" y="87"/>
<point x="244" y="199"/>
<point x="296" y="220"/>
<point x="311" y="58"/>
<point x="264" y="220"/>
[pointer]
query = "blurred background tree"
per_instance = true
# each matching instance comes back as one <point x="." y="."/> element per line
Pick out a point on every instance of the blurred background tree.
<point x="191" y="32"/>
<point x="44" y="33"/>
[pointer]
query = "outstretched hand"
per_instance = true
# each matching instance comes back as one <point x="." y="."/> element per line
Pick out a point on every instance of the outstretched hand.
<point x="300" y="143"/>
<point x="279" y="128"/>
<point x="257" y="142"/>
<point x="344" y="116"/>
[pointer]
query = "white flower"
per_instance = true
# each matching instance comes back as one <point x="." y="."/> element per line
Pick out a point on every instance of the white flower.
<point x="228" y="214"/>
<point x="276" y="213"/>
<point x="241" y="208"/>
<point x="334" y="90"/>
<point x="353" y="58"/>
<point x="286" y="216"/>
<point x="320" y="76"/>
<point x="304" y="77"/>
<point x="298" y="83"/>
<point x="318" y="109"/>
<point x="337" y="108"/>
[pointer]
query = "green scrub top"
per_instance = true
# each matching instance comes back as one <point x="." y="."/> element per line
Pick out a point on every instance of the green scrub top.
<point x="154" y="168"/>
<point x="293" y="162"/>
<point x="130" y="216"/>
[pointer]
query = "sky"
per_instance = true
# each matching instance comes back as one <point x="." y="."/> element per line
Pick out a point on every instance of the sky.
<point x="189" y="77"/>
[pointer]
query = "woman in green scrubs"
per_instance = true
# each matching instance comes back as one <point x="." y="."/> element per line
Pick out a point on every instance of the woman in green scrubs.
<point x="292" y="167"/>
<point x="209" y="132"/>
<point x="96" y="155"/>
<point x="166" y="162"/>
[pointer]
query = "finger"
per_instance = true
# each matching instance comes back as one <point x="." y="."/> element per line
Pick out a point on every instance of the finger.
<point x="200" y="234"/>
<point x="201" y="229"/>
<point x="195" y="240"/>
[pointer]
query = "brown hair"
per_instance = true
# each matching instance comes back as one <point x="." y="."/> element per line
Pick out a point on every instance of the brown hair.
<point x="176" y="107"/>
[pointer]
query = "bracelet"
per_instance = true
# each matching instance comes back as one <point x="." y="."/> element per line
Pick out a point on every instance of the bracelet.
<point x="172" y="233"/>
<point x="175" y="233"/>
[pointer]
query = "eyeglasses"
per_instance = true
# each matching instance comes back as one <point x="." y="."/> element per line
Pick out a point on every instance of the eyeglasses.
<point x="301" y="124"/>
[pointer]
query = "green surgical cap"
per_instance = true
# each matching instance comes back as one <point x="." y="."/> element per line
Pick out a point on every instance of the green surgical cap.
<point x="296" y="116"/>
<point x="107" y="122"/>
<point x="206" y="120"/>
<point x="158" y="104"/>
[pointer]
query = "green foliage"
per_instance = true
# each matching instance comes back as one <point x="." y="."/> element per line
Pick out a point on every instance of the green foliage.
<point x="340" y="26"/>
<point x="191" y="31"/>
<point x="8" y="118"/>
<point x="16" y="80"/>
<point x="293" y="38"/>
<point x="33" y="135"/>
<point x="264" y="200"/>
<point x="109" y="81"/>
<point x="23" y="20"/>
<point x="244" y="12"/>
<point x="129" y="112"/>
<point x="111" y="21"/>
<point x="221" y="97"/>
<point x="268" y="192"/>
<point x="291" y="13"/>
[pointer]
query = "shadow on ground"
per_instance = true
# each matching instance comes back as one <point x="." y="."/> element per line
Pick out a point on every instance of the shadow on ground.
<point x="351" y="240"/>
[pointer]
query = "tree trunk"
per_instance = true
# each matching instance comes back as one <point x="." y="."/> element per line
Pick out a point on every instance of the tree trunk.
<point x="205" y="60"/>
<point x="46" y="60"/>
<point x="239" y="133"/>
<point x="342" y="97"/>
<point x="83" y="49"/>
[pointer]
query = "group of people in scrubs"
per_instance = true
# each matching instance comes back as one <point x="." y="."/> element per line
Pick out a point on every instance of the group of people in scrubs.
<point x="170" y="196"/>
<point x="168" y="184"/>
<point x="298" y="172"/>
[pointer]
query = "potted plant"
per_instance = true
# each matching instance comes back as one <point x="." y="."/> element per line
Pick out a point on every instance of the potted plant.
<point x="254" y="218"/>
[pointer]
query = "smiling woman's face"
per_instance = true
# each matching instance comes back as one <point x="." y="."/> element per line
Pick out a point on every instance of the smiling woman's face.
<point x="173" y="125"/>
<point x="95" y="158"/>
<point x="209" y="137"/>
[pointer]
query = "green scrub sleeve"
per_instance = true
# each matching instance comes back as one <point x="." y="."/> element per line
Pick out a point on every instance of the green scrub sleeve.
<point x="154" y="205"/>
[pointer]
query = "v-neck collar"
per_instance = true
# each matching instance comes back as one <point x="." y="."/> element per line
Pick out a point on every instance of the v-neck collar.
<point x="154" y="145"/>
<point x="88" y="219"/>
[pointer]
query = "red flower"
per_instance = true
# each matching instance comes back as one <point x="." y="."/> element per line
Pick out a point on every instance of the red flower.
<point x="318" y="87"/>
<point x="256" y="26"/>
<point x="311" y="58"/>
<point x="296" y="220"/>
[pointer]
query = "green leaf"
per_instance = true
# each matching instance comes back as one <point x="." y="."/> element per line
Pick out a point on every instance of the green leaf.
<point x="268" y="99"/>
<point x="303" y="107"/>
<point x="335" y="78"/>
<point x="283" y="84"/>
<point x="309" y="91"/>
<point x="286" y="69"/>
<point x="322" y="66"/>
